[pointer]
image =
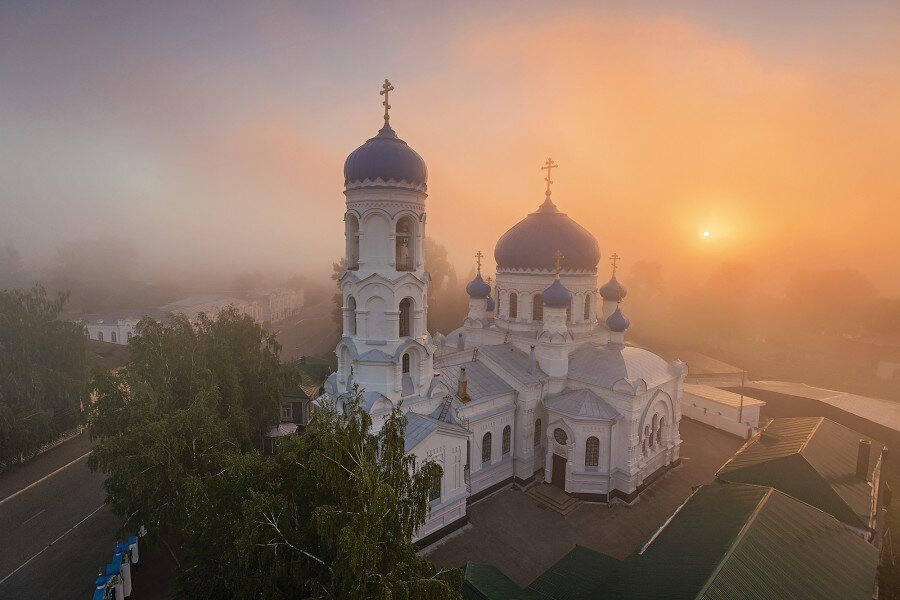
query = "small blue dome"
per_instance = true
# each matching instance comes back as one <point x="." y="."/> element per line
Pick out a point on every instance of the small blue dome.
<point x="478" y="288"/>
<point x="491" y="306"/>
<point x="532" y="242"/>
<point x="613" y="290"/>
<point x="618" y="322"/>
<point x="556" y="296"/>
<point x="386" y="157"/>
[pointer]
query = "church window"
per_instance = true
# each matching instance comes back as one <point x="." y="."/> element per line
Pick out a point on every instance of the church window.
<point x="654" y="431"/>
<point x="592" y="452"/>
<point x="100" y="336"/>
<point x="351" y="304"/>
<point x="569" y="312"/>
<point x="404" y="244"/>
<point x="538" y="435"/>
<point x="537" y="308"/>
<point x="435" y="492"/>
<point x="560" y="436"/>
<point x="513" y="305"/>
<point x="128" y="336"/>
<point x="486" y="449"/>
<point x="352" y="242"/>
<point x="647" y="436"/>
<point x="405" y="316"/>
<point x="659" y="430"/>
<point x="507" y="434"/>
<point x="587" y="307"/>
<point x="113" y="337"/>
<point x="498" y="303"/>
<point x="406" y="363"/>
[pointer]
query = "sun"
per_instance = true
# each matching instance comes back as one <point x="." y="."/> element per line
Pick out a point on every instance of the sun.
<point x="706" y="234"/>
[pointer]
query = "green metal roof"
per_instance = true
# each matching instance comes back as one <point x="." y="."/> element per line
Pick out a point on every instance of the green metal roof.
<point x="812" y="459"/>
<point x="575" y="576"/>
<point x="731" y="541"/>
<point x="484" y="582"/>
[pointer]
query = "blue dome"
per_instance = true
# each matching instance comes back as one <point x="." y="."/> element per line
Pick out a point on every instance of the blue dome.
<point x="618" y="322"/>
<point x="478" y="288"/>
<point x="491" y="306"/>
<point x="556" y="296"/>
<point x="532" y="242"/>
<point x="613" y="290"/>
<point x="386" y="157"/>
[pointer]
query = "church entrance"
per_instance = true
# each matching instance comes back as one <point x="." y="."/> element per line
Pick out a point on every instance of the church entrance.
<point x="559" y="472"/>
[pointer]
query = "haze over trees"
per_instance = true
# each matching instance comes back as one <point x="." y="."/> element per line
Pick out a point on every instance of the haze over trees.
<point x="330" y="516"/>
<point x="43" y="379"/>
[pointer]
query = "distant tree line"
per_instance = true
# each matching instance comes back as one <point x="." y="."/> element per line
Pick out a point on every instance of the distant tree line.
<point x="43" y="378"/>
<point x="331" y="515"/>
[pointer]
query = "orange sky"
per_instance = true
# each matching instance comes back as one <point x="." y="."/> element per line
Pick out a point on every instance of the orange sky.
<point x="223" y="146"/>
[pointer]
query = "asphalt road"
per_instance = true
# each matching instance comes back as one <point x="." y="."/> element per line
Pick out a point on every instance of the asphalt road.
<point x="56" y="534"/>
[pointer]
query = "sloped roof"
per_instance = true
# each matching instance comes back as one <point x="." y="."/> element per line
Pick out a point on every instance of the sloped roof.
<point x="515" y="362"/>
<point x="721" y="396"/>
<point x="295" y="392"/>
<point x="376" y="355"/>
<point x="485" y="582"/>
<point x="814" y="460"/>
<point x="575" y="576"/>
<point x="732" y="541"/>
<point x="481" y="381"/>
<point x="419" y="427"/>
<point x="583" y="404"/>
<point x="603" y="366"/>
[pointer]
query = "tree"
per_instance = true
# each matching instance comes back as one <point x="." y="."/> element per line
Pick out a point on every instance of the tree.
<point x="337" y="269"/>
<point x="42" y="362"/>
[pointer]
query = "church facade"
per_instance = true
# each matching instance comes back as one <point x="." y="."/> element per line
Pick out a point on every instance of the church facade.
<point x="537" y="384"/>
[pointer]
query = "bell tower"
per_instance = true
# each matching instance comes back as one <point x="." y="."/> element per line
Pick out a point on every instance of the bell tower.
<point x="385" y="346"/>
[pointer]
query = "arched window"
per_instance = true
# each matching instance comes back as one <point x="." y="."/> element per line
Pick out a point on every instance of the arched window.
<point x="538" y="434"/>
<point x="405" y="317"/>
<point x="113" y="337"/>
<point x="560" y="436"/>
<point x="486" y="449"/>
<point x="404" y="244"/>
<point x="435" y="492"/>
<point x="569" y="312"/>
<point x="507" y="434"/>
<point x="537" y="308"/>
<point x="653" y="430"/>
<point x="587" y="307"/>
<point x="592" y="452"/>
<point x="647" y="436"/>
<point x="352" y="242"/>
<point x="351" y="304"/>
<point x="100" y="336"/>
<point x="405" y="363"/>
<point x="128" y="337"/>
<point x="662" y="425"/>
<point x="497" y="311"/>
<point x="513" y="305"/>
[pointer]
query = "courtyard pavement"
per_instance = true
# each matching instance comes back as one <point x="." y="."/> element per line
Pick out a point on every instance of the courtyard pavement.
<point x="517" y="534"/>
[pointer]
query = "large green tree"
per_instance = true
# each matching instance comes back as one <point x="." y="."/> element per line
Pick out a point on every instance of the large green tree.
<point x="43" y="378"/>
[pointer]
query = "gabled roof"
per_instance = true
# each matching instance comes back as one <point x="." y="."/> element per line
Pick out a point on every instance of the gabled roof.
<point x="295" y="393"/>
<point x="419" y="427"/>
<point x="375" y="355"/>
<point x="514" y="361"/>
<point x="481" y="381"/>
<point x="485" y="582"/>
<point x="814" y="460"/>
<point x="583" y="404"/>
<point x="603" y="366"/>
<point x="575" y="576"/>
<point x="745" y="541"/>
<point x="721" y="396"/>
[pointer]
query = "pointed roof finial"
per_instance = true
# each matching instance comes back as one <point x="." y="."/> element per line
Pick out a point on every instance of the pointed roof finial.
<point x="557" y="258"/>
<point x="548" y="166"/>
<point x="478" y="257"/>
<point x="385" y="88"/>
<point x="614" y="259"/>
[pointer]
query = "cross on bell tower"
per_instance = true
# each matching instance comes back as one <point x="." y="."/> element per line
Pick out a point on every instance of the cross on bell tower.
<point x="557" y="258"/>
<point x="614" y="259"/>
<point x="478" y="257"/>
<point x="386" y="87"/>
<point x="548" y="166"/>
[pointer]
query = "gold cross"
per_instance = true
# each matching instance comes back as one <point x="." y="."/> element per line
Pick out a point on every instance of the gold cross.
<point x="478" y="256"/>
<point x="614" y="259"/>
<point x="385" y="88"/>
<point x="548" y="166"/>
<point x="557" y="258"/>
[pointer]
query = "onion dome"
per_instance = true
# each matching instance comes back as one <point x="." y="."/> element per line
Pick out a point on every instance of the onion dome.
<point x="478" y="288"/>
<point x="618" y="322"/>
<point x="385" y="157"/>
<point x="613" y="290"/>
<point x="491" y="305"/>
<point x="556" y="296"/>
<point x="531" y="242"/>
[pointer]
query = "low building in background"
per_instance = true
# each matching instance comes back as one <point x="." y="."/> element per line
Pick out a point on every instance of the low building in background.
<point x="822" y="463"/>
<point x="721" y="409"/>
<point x="116" y="327"/>
<point x="294" y="417"/>
<point x="276" y="304"/>
<point x="211" y="305"/>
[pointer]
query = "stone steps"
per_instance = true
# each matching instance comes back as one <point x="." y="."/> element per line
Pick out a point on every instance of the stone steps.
<point x="553" y="497"/>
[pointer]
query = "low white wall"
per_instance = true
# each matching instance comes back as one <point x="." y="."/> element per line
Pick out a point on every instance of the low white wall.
<point x="713" y="419"/>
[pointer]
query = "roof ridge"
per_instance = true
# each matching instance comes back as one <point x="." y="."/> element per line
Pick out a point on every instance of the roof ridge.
<point x="737" y="540"/>
<point x="810" y="436"/>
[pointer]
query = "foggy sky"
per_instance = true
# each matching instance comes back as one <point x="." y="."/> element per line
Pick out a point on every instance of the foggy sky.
<point x="212" y="136"/>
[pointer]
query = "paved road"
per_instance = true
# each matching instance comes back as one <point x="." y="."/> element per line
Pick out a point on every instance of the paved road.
<point x="56" y="534"/>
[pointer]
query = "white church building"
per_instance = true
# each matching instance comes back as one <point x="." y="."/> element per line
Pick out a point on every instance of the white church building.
<point x="538" y="383"/>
